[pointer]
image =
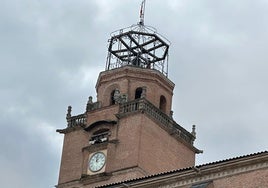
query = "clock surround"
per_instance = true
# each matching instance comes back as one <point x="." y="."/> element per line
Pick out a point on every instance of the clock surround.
<point x="97" y="162"/>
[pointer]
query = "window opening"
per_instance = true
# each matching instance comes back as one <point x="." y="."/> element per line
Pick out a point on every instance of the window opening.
<point x="112" y="100"/>
<point x="99" y="136"/>
<point x="138" y="93"/>
<point x="163" y="103"/>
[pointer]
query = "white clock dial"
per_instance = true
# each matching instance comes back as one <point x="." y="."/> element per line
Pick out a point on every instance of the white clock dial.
<point x="97" y="161"/>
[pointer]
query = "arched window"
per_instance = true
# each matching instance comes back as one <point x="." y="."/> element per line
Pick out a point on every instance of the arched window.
<point x="138" y="93"/>
<point x="112" y="100"/>
<point x="163" y="103"/>
<point x="99" y="136"/>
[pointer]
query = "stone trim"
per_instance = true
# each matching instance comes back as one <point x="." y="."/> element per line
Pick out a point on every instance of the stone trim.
<point x="69" y="129"/>
<point x="88" y="179"/>
<point x="95" y="147"/>
<point x="128" y="71"/>
<point x="100" y="122"/>
<point x="100" y="146"/>
<point x="215" y="175"/>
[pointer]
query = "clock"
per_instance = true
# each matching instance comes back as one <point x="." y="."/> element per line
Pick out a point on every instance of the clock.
<point x="97" y="162"/>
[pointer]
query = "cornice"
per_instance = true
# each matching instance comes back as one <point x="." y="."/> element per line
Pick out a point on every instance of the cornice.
<point x="100" y="146"/>
<point x="130" y="72"/>
<point x="100" y="122"/>
<point x="69" y="129"/>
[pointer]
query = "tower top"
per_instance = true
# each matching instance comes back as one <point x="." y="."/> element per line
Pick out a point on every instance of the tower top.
<point x="138" y="45"/>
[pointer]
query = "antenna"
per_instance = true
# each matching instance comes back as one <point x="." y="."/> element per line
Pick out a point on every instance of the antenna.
<point x="142" y="11"/>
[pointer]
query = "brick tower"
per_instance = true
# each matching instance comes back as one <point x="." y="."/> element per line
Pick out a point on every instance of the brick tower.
<point x="129" y="131"/>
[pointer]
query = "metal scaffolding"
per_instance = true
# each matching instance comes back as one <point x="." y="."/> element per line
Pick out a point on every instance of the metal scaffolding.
<point x="138" y="45"/>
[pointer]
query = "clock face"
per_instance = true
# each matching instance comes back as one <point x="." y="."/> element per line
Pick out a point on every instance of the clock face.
<point x="97" y="161"/>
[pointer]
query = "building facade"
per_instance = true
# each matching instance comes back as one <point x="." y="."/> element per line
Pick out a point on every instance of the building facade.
<point x="250" y="171"/>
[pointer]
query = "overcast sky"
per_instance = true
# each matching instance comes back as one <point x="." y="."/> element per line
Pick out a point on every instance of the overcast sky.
<point x="52" y="51"/>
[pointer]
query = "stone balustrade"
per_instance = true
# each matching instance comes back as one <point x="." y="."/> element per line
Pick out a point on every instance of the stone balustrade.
<point x="164" y="120"/>
<point x="79" y="120"/>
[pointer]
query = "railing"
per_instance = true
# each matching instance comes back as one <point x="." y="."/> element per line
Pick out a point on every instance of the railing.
<point x="154" y="112"/>
<point x="76" y="120"/>
<point x="139" y="105"/>
<point x="93" y="106"/>
<point x="129" y="106"/>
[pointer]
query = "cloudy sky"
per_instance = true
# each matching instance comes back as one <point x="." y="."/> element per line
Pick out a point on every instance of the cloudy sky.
<point x="52" y="51"/>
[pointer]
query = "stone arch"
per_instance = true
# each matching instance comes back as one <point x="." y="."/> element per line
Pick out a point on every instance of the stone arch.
<point x="108" y="95"/>
<point x="100" y="131"/>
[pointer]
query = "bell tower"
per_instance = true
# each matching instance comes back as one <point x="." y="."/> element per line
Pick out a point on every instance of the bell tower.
<point x="129" y="131"/>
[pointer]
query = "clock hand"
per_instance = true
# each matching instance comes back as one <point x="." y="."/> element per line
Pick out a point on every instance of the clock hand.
<point x="97" y="158"/>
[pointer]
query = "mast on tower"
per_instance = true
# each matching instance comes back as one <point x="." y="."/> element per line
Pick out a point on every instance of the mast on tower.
<point x="138" y="45"/>
<point x="142" y="11"/>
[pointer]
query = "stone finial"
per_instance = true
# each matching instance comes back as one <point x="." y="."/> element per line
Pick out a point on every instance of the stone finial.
<point x="193" y="131"/>
<point x="89" y="103"/>
<point x="143" y="93"/>
<point x="89" y="100"/>
<point x="92" y="105"/>
<point x="69" y="115"/>
<point x="69" y="111"/>
<point x="171" y="114"/>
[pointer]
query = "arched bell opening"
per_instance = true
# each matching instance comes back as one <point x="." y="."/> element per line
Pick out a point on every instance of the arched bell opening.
<point x="138" y="93"/>
<point x="163" y="103"/>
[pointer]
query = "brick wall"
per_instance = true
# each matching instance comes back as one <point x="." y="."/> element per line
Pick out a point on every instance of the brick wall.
<point x="72" y="158"/>
<point x="127" y="79"/>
